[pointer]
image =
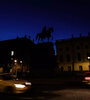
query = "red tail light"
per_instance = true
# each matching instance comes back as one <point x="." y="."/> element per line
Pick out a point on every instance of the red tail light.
<point x="87" y="78"/>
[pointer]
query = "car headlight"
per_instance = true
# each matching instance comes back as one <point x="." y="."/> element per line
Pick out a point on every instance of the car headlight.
<point x="19" y="86"/>
<point x="28" y="83"/>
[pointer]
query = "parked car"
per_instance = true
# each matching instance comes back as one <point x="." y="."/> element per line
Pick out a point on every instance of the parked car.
<point x="86" y="78"/>
<point x="9" y="84"/>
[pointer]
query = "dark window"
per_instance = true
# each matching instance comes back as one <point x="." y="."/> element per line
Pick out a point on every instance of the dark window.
<point x="79" y="57"/>
<point x="67" y="49"/>
<point x="86" y="46"/>
<point x="61" y="49"/>
<point x="61" y="58"/>
<point x="69" y="68"/>
<point x="68" y="57"/>
<point x="62" y="69"/>
<point x="80" y="68"/>
<point x="89" y="67"/>
<point x="88" y="54"/>
<point x="78" y="47"/>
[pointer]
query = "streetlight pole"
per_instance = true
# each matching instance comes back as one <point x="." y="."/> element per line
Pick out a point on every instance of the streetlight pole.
<point x="15" y="63"/>
<point x="21" y="66"/>
<point x="89" y="62"/>
<point x="12" y="57"/>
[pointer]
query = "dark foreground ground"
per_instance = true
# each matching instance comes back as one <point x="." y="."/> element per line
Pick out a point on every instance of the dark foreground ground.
<point x="51" y="88"/>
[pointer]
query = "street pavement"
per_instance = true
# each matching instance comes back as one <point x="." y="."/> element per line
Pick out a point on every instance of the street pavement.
<point x="71" y="94"/>
<point x="67" y="88"/>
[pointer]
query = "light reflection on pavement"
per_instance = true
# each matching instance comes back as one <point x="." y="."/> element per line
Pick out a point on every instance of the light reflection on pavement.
<point x="64" y="94"/>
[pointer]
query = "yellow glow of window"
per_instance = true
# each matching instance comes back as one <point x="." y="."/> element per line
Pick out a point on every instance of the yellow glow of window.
<point x="12" y="53"/>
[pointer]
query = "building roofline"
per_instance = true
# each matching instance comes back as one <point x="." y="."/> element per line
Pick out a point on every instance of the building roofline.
<point x="73" y="38"/>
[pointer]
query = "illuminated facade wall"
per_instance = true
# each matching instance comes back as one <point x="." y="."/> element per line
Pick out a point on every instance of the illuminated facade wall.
<point x="72" y="54"/>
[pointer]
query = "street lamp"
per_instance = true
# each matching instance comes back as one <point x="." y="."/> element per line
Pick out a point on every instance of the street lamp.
<point x="21" y="65"/>
<point x="89" y="62"/>
<point x="15" y="61"/>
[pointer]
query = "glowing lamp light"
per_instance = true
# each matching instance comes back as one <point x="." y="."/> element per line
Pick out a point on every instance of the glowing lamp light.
<point x="15" y="61"/>
<point x="89" y="58"/>
<point x="87" y="78"/>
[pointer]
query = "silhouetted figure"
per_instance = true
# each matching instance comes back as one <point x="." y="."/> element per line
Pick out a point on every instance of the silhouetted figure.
<point x="45" y="34"/>
<point x="41" y="35"/>
<point x="49" y="31"/>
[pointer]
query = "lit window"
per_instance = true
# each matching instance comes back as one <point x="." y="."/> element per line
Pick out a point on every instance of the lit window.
<point x="21" y="62"/>
<point x="12" y="53"/>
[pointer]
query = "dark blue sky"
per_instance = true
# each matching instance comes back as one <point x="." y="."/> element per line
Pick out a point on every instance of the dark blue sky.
<point x="67" y="17"/>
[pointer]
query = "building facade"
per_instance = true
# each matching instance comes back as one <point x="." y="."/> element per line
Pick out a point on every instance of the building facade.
<point x="16" y="55"/>
<point x="23" y="55"/>
<point x="73" y="54"/>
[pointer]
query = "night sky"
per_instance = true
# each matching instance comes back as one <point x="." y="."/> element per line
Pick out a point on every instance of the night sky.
<point x="67" y="17"/>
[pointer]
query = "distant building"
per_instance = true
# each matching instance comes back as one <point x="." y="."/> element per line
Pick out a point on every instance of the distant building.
<point x="16" y="54"/>
<point x="73" y="54"/>
<point x="22" y="55"/>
